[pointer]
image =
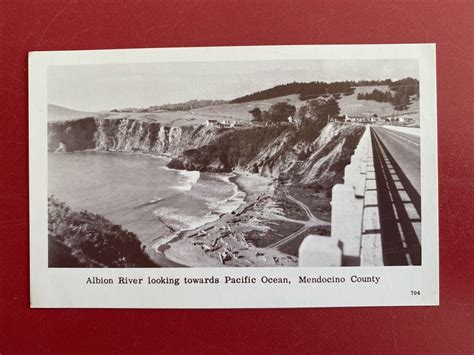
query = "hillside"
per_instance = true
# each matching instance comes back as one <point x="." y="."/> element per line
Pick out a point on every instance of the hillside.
<point x="59" y="113"/>
<point x="240" y="111"/>
<point x="83" y="239"/>
<point x="351" y="106"/>
<point x="234" y="111"/>
<point x="199" y="116"/>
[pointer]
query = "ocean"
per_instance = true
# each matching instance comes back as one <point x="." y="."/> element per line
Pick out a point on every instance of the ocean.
<point x="140" y="193"/>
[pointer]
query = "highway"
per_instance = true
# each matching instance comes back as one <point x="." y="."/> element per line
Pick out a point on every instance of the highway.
<point x="397" y="169"/>
<point x="405" y="149"/>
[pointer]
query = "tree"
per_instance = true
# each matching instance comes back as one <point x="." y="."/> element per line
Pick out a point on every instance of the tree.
<point x="332" y="107"/>
<point x="256" y="114"/>
<point x="266" y="116"/>
<point x="321" y="108"/>
<point x="301" y="116"/>
<point x="280" y="111"/>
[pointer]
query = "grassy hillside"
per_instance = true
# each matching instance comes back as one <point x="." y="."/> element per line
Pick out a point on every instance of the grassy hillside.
<point x="59" y="113"/>
<point x="240" y="111"/>
<point x="235" y="111"/>
<point x="352" y="107"/>
<point x="230" y="112"/>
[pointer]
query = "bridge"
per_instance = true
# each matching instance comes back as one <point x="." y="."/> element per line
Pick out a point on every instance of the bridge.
<point x="376" y="212"/>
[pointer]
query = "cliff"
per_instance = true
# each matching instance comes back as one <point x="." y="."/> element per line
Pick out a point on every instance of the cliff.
<point x="125" y="135"/>
<point x="278" y="151"/>
<point x="315" y="153"/>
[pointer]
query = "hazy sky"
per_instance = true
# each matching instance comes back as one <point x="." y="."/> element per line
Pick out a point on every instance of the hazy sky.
<point x="108" y="86"/>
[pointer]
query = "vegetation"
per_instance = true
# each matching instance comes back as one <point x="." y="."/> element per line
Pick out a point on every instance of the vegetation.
<point x="280" y="112"/>
<point x="399" y="94"/>
<point x="256" y="114"/>
<point x="75" y="134"/>
<point x="316" y="89"/>
<point x="305" y="90"/>
<point x="181" y="106"/>
<point x="84" y="239"/>
<point x="311" y="118"/>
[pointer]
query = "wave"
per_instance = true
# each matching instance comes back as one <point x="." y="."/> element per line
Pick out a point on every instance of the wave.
<point x="230" y="204"/>
<point x="175" y="218"/>
<point x="186" y="179"/>
<point x="151" y="202"/>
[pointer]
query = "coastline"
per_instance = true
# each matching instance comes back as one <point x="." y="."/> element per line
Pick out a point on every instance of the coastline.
<point x="222" y="242"/>
<point x="161" y="244"/>
<point x="166" y="157"/>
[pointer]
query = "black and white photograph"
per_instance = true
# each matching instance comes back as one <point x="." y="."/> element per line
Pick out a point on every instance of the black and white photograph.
<point x="234" y="164"/>
<point x="287" y="166"/>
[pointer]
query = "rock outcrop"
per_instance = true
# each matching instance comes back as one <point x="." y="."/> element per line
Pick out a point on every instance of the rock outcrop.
<point x="126" y="135"/>
<point x="314" y="154"/>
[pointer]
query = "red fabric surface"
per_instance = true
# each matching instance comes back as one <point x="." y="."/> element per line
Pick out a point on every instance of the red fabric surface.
<point x="94" y="24"/>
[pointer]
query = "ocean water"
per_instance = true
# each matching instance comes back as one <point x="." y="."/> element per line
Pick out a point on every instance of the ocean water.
<point x="139" y="192"/>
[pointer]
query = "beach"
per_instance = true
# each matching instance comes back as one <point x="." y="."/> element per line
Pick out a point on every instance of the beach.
<point x="223" y="242"/>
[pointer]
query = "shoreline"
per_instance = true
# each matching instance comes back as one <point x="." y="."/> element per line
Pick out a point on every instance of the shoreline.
<point x="222" y="242"/>
<point x="180" y="234"/>
<point x="101" y="151"/>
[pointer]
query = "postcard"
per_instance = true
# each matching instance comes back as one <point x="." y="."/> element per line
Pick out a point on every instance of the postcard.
<point x="234" y="177"/>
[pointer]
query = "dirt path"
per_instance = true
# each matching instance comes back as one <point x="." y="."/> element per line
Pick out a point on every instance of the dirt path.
<point x="312" y="221"/>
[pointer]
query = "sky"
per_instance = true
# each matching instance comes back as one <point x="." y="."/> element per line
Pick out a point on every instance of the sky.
<point x="108" y="86"/>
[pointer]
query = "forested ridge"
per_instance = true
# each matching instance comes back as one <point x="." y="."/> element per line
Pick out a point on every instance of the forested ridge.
<point x="319" y="88"/>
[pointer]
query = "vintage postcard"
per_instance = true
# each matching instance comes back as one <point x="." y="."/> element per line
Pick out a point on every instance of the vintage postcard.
<point x="234" y="177"/>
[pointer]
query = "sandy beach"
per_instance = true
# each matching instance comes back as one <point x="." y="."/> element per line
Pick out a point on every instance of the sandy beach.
<point x="224" y="241"/>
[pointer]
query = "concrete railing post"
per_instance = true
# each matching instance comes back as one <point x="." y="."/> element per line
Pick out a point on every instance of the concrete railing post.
<point x="346" y="222"/>
<point x="318" y="250"/>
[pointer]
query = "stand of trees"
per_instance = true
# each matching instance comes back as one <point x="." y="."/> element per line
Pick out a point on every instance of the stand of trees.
<point x="311" y="118"/>
<point x="181" y="106"/>
<point x="317" y="109"/>
<point x="316" y="89"/>
<point x="399" y="95"/>
<point x="306" y="91"/>
<point x="277" y="113"/>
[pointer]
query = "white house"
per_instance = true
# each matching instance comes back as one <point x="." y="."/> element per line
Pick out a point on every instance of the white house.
<point x="211" y="122"/>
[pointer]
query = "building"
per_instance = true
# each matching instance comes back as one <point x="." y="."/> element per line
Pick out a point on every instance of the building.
<point x="212" y="123"/>
<point x="342" y="118"/>
<point x="236" y="124"/>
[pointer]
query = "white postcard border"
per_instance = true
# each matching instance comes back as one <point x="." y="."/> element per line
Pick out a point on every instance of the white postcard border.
<point x="66" y="287"/>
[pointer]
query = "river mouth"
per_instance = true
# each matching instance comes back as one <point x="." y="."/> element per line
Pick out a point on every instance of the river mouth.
<point x="141" y="194"/>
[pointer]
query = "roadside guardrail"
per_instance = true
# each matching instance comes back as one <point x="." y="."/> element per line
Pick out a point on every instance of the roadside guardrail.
<point x="355" y="223"/>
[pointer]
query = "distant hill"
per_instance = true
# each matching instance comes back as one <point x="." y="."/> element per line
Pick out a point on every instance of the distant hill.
<point x="59" y="113"/>
<point x="353" y="107"/>
<point x="310" y="90"/>
<point x="180" y="106"/>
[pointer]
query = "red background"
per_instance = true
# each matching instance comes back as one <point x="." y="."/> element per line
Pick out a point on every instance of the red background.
<point x="62" y="25"/>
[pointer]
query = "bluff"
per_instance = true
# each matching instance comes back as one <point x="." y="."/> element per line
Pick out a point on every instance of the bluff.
<point x="279" y="151"/>
<point x="314" y="153"/>
<point x="125" y="135"/>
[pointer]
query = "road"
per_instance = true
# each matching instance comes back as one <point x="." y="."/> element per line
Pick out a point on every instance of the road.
<point x="311" y="222"/>
<point x="405" y="149"/>
<point x="397" y="170"/>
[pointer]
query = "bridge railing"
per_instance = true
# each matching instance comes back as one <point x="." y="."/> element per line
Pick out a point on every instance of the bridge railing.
<point x="355" y="223"/>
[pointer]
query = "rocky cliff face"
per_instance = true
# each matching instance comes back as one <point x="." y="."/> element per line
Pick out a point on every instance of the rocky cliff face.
<point x="278" y="151"/>
<point x="126" y="135"/>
